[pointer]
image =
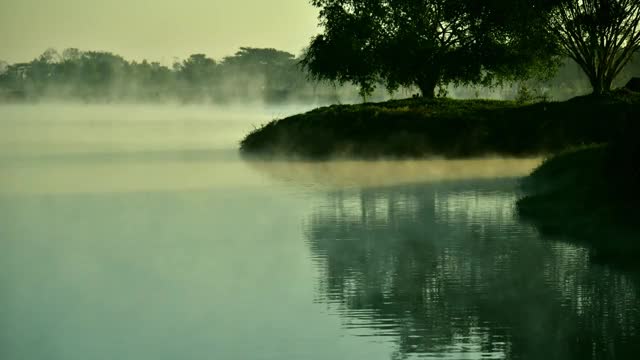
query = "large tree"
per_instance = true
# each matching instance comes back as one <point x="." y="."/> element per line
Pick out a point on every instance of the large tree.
<point x="426" y="43"/>
<point x="600" y="35"/>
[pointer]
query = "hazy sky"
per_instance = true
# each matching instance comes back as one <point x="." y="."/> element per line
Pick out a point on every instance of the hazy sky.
<point x="153" y="29"/>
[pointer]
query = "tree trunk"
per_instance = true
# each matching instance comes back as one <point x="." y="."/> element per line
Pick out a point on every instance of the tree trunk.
<point x="596" y="85"/>
<point x="600" y="83"/>
<point x="427" y="87"/>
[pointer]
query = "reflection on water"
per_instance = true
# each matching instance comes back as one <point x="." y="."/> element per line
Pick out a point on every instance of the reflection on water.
<point x="354" y="173"/>
<point x="446" y="270"/>
<point x="137" y="233"/>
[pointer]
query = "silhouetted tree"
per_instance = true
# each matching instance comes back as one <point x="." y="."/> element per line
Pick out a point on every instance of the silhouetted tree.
<point x="40" y="73"/>
<point x="101" y="73"/>
<point x="198" y="68"/>
<point x="257" y="57"/>
<point x="71" y="54"/>
<point x="600" y="35"/>
<point x="50" y="56"/>
<point x="426" y="43"/>
<point x="269" y="72"/>
<point x="196" y="75"/>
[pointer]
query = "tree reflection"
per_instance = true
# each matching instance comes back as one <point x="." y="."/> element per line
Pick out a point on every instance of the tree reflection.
<point x="446" y="269"/>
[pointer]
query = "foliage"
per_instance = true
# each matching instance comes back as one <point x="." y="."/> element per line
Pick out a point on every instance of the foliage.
<point x="427" y="43"/>
<point x="526" y="95"/>
<point x="198" y="68"/>
<point x="278" y="69"/>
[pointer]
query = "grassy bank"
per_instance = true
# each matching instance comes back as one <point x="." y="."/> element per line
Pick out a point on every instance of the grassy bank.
<point x="588" y="195"/>
<point x="444" y="127"/>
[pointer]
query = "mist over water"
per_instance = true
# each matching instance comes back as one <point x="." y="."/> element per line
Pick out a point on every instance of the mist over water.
<point x="137" y="232"/>
<point x="94" y="148"/>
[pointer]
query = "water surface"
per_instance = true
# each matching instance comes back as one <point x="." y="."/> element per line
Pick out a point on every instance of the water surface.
<point x="138" y="233"/>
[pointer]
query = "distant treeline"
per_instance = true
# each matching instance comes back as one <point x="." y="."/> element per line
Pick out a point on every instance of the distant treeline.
<point x="250" y="75"/>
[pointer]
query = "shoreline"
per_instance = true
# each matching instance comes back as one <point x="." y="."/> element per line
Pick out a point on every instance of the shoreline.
<point x="573" y="195"/>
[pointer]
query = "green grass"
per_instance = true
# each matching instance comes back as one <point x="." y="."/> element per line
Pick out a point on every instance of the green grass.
<point x="442" y="127"/>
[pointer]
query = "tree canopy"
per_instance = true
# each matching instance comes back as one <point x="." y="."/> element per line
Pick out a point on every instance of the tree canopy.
<point x="601" y="36"/>
<point x="426" y="43"/>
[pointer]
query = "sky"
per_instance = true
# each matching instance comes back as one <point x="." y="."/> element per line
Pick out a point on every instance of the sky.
<point x="158" y="30"/>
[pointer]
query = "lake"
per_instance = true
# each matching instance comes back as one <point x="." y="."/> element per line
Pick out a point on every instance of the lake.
<point x="137" y="232"/>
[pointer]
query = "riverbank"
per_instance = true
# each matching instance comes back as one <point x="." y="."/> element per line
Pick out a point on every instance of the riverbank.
<point x="587" y="195"/>
<point x="450" y="128"/>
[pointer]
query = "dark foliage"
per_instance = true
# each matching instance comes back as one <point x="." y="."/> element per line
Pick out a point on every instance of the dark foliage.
<point x="429" y="43"/>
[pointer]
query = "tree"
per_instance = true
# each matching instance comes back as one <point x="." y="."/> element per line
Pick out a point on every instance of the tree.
<point x="248" y="56"/>
<point x="50" y="56"/>
<point x="345" y="51"/>
<point x="198" y="69"/>
<point x="427" y="43"/>
<point x="600" y="35"/>
<point x="197" y="75"/>
<point x="71" y="54"/>
<point x="271" y="64"/>
<point x="42" y="70"/>
<point x="261" y="72"/>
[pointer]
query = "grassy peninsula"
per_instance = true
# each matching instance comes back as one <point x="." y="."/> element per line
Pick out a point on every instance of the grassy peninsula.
<point x="450" y="128"/>
<point x="588" y="190"/>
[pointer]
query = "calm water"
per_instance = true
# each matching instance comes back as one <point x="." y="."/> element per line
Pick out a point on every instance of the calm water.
<point x="138" y="233"/>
